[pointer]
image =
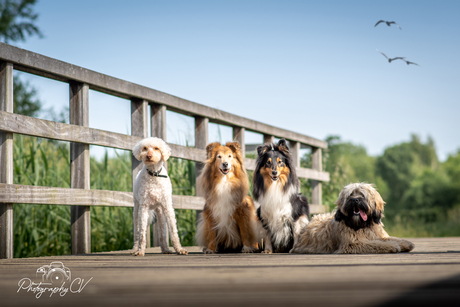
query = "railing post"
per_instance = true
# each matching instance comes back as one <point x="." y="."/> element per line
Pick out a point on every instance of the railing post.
<point x="80" y="216"/>
<point x="317" y="164"/>
<point x="294" y="148"/>
<point x="201" y="141"/>
<point x="158" y="127"/>
<point x="238" y="136"/>
<point x="140" y="128"/>
<point x="268" y="138"/>
<point x="6" y="161"/>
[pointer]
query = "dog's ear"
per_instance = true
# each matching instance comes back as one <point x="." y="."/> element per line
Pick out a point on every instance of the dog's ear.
<point x="338" y="216"/>
<point x="137" y="149"/>
<point x="234" y="146"/>
<point x="165" y="151"/>
<point x="282" y="146"/>
<point x="377" y="216"/>
<point x="210" y="148"/>
<point x="262" y="149"/>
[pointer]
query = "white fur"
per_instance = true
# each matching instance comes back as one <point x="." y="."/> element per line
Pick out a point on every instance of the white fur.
<point x="223" y="215"/>
<point x="277" y="211"/>
<point x="153" y="194"/>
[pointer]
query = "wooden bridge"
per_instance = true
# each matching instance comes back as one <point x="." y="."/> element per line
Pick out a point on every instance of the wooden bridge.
<point x="428" y="276"/>
<point x="79" y="196"/>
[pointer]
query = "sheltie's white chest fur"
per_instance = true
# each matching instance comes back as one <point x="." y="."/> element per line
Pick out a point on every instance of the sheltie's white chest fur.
<point x="222" y="213"/>
<point x="276" y="211"/>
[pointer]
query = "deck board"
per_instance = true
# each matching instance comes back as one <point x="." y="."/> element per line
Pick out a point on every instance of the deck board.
<point x="430" y="275"/>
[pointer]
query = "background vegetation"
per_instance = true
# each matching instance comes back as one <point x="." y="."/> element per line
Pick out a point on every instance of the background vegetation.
<point x="422" y="193"/>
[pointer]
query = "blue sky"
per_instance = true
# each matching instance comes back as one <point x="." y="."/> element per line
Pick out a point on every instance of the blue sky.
<point x="306" y="66"/>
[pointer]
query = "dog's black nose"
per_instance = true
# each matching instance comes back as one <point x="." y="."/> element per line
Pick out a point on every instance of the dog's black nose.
<point x="225" y="164"/>
<point x="274" y="173"/>
<point x="355" y="200"/>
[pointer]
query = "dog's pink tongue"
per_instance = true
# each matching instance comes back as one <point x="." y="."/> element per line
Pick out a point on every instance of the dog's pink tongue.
<point x="363" y="215"/>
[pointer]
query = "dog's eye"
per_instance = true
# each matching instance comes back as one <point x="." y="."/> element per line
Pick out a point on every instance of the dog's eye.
<point x="156" y="148"/>
<point x="229" y="156"/>
<point x="219" y="156"/>
<point x="145" y="148"/>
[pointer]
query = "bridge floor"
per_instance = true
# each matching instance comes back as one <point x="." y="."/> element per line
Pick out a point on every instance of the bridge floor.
<point x="428" y="276"/>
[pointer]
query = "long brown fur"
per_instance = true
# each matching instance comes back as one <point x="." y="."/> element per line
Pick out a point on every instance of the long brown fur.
<point x="337" y="233"/>
<point x="228" y="221"/>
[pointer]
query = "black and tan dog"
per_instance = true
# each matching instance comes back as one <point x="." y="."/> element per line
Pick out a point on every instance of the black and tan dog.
<point x="283" y="212"/>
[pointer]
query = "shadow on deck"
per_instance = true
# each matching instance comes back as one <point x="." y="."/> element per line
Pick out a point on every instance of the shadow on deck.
<point x="428" y="276"/>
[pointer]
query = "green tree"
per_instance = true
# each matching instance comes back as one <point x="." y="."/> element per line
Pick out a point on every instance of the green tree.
<point x="16" y="23"/>
<point x="401" y="164"/>
<point x="17" y="20"/>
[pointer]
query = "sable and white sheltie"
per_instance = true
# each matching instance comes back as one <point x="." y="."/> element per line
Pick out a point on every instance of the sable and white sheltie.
<point x="228" y="222"/>
<point x="283" y="212"/>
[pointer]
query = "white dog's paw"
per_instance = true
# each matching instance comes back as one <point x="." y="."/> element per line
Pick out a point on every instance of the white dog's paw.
<point x="207" y="251"/>
<point x="247" y="249"/>
<point x="139" y="253"/>
<point x="167" y="251"/>
<point x="267" y="251"/>
<point x="292" y="251"/>
<point x="182" y="252"/>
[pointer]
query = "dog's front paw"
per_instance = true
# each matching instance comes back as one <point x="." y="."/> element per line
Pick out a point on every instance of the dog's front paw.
<point x="406" y="246"/>
<point x="167" y="251"/>
<point x="208" y="251"/>
<point x="139" y="253"/>
<point x="267" y="251"/>
<point x="247" y="249"/>
<point x="182" y="252"/>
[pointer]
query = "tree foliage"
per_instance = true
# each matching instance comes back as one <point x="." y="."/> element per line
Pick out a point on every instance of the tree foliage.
<point x="17" y="20"/>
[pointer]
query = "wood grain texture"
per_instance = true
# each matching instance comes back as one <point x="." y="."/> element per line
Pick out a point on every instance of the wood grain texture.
<point x="51" y="68"/>
<point x="6" y="161"/>
<point x="428" y="276"/>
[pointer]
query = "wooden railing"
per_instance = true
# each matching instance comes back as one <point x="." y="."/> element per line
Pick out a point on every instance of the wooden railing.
<point x="79" y="196"/>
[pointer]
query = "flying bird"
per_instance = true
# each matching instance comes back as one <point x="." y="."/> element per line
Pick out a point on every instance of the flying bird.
<point x="408" y="62"/>
<point x="392" y="59"/>
<point x="389" y="23"/>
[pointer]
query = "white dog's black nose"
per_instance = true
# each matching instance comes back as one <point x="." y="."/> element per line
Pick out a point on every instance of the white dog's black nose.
<point x="225" y="164"/>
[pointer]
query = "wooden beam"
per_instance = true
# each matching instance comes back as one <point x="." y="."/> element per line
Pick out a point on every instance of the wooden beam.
<point x="316" y="186"/>
<point x="80" y="169"/>
<point x="51" y="68"/>
<point x="201" y="141"/>
<point x="6" y="161"/>
<point x="238" y="136"/>
<point x="15" y="193"/>
<point x="159" y="129"/>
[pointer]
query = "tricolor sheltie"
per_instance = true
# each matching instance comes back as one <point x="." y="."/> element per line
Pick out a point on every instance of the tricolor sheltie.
<point x="283" y="211"/>
<point x="228" y="222"/>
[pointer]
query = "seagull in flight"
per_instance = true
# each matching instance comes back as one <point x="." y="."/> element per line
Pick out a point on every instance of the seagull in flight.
<point x="396" y="58"/>
<point x="408" y="62"/>
<point x="389" y="23"/>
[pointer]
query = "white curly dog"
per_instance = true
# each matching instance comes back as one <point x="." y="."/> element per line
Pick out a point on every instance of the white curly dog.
<point x="152" y="193"/>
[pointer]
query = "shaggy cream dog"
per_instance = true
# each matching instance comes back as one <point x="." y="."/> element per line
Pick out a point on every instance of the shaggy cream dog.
<point x="355" y="228"/>
<point x="152" y="193"/>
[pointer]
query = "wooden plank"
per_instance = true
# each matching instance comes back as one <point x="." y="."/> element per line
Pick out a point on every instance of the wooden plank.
<point x="238" y="136"/>
<point x="15" y="193"/>
<point x="139" y="128"/>
<point x="159" y="129"/>
<point x="51" y="68"/>
<point x="80" y="216"/>
<point x="21" y="124"/>
<point x="316" y="185"/>
<point x="428" y="276"/>
<point x="6" y="161"/>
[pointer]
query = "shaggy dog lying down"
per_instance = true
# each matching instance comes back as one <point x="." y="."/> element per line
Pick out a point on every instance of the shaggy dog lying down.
<point x="355" y="228"/>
